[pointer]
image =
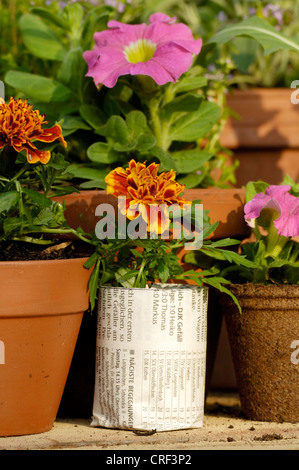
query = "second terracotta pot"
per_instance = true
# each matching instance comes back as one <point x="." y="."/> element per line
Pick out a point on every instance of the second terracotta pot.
<point x="224" y="205"/>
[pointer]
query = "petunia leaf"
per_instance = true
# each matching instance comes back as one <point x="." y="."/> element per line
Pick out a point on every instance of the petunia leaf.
<point x="117" y="130"/>
<point x="51" y="17"/>
<point x="101" y="152"/>
<point x="39" y="39"/>
<point x="166" y="161"/>
<point x="190" y="83"/>
<point x="39" y="88"/>
<point x="259" y="29"/>
<point x="195" y="125"/>
<point x="92" y="115"/>
<point x="190" y="160"/>
<point x="183" y="103"/>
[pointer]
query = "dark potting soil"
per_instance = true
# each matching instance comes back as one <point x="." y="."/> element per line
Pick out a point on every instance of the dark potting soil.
<point x="22" y="251"/>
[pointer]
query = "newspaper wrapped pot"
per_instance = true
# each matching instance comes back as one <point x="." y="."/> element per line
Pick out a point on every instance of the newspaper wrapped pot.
<point x="151" y="358"/>
<point x="264" y="342"/>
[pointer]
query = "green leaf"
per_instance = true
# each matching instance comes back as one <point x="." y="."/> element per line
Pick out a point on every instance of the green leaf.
<point x="8" y="200"/>
<point x="145" y="142"/>
<point x="95" y="20"/>
<point x="40" y="39"/>
<point x="125" y="147"/>
<point x="193" y="126"/>
<point x="86" y="171"/>
<point x="136" y="122"/>
<point x="190" y="160"/>
<point x="117" y="130"/>
<point x="93" y="184"/>
<point x="100" y="152"/>
<point x="38" y="198"/>
<point x="166" y="161"/>
<point x="125" y="277"/>
<point x="255" y="187"/>
<point x="51" y="17"/>
<point x="190" y="83"/>
<point x="192" y="180"/>
<point x="93" y="284"/>
<point x="259" y="29"/>
<point x="92" y="115"/>
<point x="74" y="123"/>
<point x="72" y="69"/>
<point x="10" y="224"/>
<point x="184" y="103"/>
<point x="38" y="88"/>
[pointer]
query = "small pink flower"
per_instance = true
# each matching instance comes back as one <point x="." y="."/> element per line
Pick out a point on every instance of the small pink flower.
<point x="162" y="50"/>
<point x="285" y="204"/>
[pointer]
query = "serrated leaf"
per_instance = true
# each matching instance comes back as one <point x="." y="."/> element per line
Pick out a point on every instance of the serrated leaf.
<point x="8" y="200"/>
<point x="38" y="197"/>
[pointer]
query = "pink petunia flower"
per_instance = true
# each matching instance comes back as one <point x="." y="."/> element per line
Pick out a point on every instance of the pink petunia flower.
<point x="285" y="204"/>
<point x="162" y="50"/>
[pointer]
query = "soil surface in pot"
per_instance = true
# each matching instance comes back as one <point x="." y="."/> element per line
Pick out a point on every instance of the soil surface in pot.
<point x="22" y="251"/>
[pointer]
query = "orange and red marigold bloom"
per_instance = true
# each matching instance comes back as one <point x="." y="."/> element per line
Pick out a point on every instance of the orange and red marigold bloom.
<point x="20" y="126"/>
<point x="149" y="192"/>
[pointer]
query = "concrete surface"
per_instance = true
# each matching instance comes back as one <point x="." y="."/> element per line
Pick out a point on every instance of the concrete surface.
<point x="224" y="429"/>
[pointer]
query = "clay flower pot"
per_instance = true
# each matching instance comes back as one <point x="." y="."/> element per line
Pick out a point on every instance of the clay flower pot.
<point x="262" y="342"/>
<point x="41" y="309"/>
<point x="225" y="206"/>
<point x="265" y="138"/>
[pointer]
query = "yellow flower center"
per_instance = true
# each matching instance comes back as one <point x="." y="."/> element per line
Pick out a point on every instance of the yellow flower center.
<point x="141" y="50"/>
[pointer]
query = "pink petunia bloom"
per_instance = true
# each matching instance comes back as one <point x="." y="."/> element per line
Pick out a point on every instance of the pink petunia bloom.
<point x="285" y="204"/>
<point x="162" y="50"/>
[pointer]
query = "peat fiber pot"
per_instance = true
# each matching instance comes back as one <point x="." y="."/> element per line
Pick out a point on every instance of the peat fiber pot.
<point x="263" y="342"/>
<point x="41" y="309"/>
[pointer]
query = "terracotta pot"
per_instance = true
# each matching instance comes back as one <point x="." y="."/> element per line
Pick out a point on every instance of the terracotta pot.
<point x="262" y="344"/>
<point x="42" y="305"/>
<point x="268" y="119"/>
<point x="224" y="205"/>
<point x="265" y="139"/>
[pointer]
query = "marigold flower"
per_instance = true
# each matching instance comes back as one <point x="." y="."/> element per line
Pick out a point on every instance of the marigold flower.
<point x="162" y="50"/>
<point x="20" y="126"/>
<point x="149" y="193"/>
<point x="280" y="200"/>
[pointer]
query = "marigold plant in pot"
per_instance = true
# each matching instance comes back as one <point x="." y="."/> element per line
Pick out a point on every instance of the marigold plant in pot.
<point x="43" y="281"/>
<point x="264" y="336"/>
<point x="152" y="323"/>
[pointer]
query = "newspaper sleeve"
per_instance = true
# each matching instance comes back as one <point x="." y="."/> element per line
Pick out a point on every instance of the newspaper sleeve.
<point x="151" y="358"/>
